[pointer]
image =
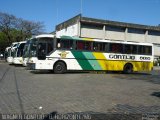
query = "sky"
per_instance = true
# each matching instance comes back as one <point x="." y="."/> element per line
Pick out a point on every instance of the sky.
<point x="53" y="12"/>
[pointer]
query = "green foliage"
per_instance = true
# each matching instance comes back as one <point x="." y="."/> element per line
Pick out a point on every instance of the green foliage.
<point x="3" y="42"/>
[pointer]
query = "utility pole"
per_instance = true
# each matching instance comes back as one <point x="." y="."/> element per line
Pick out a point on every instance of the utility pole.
<point x="81" y="7"/>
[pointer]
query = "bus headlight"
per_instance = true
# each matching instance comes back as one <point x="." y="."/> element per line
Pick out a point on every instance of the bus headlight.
<point x="31" y="61"/>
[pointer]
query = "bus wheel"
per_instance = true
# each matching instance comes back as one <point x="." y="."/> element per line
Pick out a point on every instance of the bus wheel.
<point x="128" y="68"/>
<point x="59" y="68"/>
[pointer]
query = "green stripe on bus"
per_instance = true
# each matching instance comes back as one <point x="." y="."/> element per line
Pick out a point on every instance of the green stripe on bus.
<point x="86" y="60"/>
<point x="70" y="38"/>
<point x="94" y="63"/>
<point x="82" y="60"/>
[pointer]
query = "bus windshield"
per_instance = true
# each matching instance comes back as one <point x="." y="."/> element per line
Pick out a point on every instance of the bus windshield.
<point x="20" y="50"/>
<point x="41" y="46"/>
<point x="33" y="46"/>
<point x="45" y="46"/>
<point x="13" y="52"/>
<point x="26" y="50"/>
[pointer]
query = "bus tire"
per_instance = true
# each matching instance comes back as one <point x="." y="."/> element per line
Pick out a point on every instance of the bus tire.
<point x="59" y="67"/>
<point x="128" y="68"/>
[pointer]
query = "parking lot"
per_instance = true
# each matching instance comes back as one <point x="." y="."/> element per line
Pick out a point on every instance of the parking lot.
<point x="24" y="91"/>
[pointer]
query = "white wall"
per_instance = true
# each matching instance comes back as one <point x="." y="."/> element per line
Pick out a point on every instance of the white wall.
<point x="92" y="33"/>
<point x="156" y="50"/>
<point x="115" y="35"/>
<point x="135" y="37"/>
<point x="69" y="31"/>
<point x="153" y="39"/>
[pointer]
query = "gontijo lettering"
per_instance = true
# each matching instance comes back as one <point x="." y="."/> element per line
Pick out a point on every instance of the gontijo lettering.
<point x="128" y="57"/>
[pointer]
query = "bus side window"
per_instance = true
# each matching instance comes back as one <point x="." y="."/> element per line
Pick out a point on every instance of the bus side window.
<point x="84" y="45"/>
<point x="98" y="46"/>
<point x="65" y="44"/>
<point x="71" y="45"/>
<point x="140" y="49"/>
<point x="58" y="44"/>
<point x="50" y="47"/>
<point x="80" y="45"/>
<point x="147" y="50"/>
<point x="134" y="49"/>
<point x="116" y="48"/>
<point x="87" y="45"/>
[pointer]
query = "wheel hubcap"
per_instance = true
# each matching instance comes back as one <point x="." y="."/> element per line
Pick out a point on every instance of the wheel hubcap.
<point x="59" y="68"/>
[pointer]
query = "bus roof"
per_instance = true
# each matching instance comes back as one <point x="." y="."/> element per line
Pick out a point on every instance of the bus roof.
<point x="43" y="35"/>
<point x="22" y="42"/>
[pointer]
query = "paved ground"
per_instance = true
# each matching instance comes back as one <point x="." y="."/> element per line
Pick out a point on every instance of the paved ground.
<point x="24" y="91"/>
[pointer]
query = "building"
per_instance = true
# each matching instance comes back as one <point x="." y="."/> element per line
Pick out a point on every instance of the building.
<point x="104" y="29"/>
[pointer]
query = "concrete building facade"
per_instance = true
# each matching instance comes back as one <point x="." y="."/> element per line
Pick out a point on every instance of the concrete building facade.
<point x="104" y="29"/>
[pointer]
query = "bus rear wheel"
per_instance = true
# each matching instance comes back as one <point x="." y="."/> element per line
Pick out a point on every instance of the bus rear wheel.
<point x="59" y="68"/>
<point x="128" y="68"/>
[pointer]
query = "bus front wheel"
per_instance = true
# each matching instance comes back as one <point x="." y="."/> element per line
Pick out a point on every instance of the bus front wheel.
<point x="59" y="68"/>
<point x="128" y="68"/>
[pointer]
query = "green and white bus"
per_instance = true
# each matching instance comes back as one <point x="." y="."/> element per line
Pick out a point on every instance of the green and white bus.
<point x="73" y="53"/>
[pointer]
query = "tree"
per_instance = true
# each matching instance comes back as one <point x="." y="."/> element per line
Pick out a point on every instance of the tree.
<point x="7" y="23"/>
<point x="29" y="28"/>
<point x="17" y="29"/>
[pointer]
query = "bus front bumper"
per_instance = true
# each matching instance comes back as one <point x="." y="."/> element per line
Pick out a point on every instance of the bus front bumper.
<point x="10" y="59"/>
<point x="18" y="61"/>
<point x="31" y="66"/>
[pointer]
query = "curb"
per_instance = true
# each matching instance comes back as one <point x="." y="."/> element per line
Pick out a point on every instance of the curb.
<point x="156" y="68"/>
<point x="2" y="61"/>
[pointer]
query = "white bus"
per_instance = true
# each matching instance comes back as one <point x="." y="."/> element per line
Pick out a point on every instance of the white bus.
<point x="18" y="53"/>
<point x="72" y="53"/>
<point x="11" y="52"/>
<point x="38" y="42"/>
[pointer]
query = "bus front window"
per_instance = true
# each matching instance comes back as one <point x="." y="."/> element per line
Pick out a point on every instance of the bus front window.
<point x="45" y="46"/>
<point x="25" y="51"/>
<point x="41" y="50"/>
<point x="20" y="50"/>
<point x="33" y="46"/>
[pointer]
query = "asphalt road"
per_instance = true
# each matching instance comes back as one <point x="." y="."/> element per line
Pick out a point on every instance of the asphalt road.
<point x="26" y="92"/>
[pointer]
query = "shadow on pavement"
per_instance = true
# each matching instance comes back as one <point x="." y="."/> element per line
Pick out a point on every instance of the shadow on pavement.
<point x="89" y="72"/>
<point x="156" y="94"/>
<point x="51" y="72"/>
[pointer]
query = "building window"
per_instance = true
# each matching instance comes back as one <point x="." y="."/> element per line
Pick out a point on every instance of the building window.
<point x="136" y="31"/>
<point x="114" y="28"/>
<point x="156" y="33"/>
<point x="92" y="26"/>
